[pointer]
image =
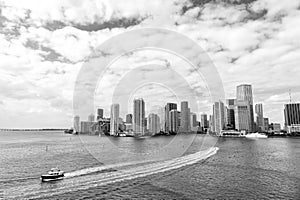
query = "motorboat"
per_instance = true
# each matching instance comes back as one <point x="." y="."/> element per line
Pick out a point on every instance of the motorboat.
<point x="53" y="174"/>
<point x="231" y="133"/>
<point x="256" y="135"/>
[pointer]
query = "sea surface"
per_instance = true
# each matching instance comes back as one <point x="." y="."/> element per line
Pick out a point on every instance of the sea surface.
<point x="186" y="166"/>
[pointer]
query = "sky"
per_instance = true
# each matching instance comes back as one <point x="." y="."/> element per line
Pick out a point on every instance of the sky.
<point x="45" y="44"/>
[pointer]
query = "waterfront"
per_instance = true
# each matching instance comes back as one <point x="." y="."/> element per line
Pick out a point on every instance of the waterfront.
<point x="240" y="169"/>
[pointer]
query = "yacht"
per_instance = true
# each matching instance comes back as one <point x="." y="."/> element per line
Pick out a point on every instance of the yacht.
<point x="53" y="174"/>
<point x="231" y="133"/>
<point x="256" y="135"/>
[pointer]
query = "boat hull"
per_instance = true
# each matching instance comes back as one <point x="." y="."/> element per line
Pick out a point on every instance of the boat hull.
<point x="52" y="177"/>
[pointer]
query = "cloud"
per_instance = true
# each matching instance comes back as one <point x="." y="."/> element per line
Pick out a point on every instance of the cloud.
<point x="44" y="43"/>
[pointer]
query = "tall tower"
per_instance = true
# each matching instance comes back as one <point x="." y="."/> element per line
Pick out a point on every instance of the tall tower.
<point x="259" y="117"/>
<point x="139" y="117"/>
<point x="204" y="122"/>
<point x="219" y="116"/>
<point x="154" y="123"/>
<point x="185" y="117"/>
<point x="168" y="108"/>
<point x="230" y="103"/>
<point x="173" y="121"/>
<point x="114" y="119"/>
<point x="244" y="96"/>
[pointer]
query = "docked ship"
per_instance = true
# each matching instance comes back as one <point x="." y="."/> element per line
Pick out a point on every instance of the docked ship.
<point x="256" y="135"/>
<point x="53" y="174"/>
<point x="231" y="133"/>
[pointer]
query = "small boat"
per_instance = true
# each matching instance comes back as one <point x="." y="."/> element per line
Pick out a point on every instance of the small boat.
<point x="256" y="135"/>
<point x="53" y="174"/>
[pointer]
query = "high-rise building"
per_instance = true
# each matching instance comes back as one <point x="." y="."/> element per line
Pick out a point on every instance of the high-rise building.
<point x="99" y="113"/>
<point x="193" y="122"/>
<point x="266" y="123"/>
<point x="204" y="122"/>
<point x="154" y="123"/>
<point x="168" y="108"/>
<point x="185" y="117"/>
<point x="91" y="118"/>
<point x="244" y="96"/>
<point x="173" y="121"/>
<point x="211" y="122"/>
<point x="219" y="116"/>
<point x="129" y="118"/>
<point x="292" y="114"/>
<point x="139" y="117"/>
<point x="242" y="117"/>
<point x="259" y="117"/>
<point x="114" y="119"/>
<point x="77" y="123"/>
<point x="230" y="116"/>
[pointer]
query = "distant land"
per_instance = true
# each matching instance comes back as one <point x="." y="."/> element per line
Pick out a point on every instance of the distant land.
<point x="33" y="129"/>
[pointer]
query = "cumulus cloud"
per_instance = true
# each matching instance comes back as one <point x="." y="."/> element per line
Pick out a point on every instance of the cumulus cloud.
<point x="44" y="43"/>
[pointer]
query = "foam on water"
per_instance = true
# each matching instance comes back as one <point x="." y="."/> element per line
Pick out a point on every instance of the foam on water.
<point x="131" y="171"/>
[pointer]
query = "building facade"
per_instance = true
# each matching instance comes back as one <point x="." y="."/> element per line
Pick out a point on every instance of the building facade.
<point x="168" y="108"/>
<point x="99" y="113"/>
<point x="259" y="117"/>
<point x="244" y="96"/>
<point x="77" y="124"/>
<point x="114" y="119"/>
<point x="242" y="117"/>
<point x="218" y="117"/>
<point x="139" y="117"/>
<point x="129" y="118"/>
<point x="292" y="114"/>
<point x="204" y="121"/>
<point x="185" y="117"/>
<point x="154" y="123"/>
<point x="173" y="122"/>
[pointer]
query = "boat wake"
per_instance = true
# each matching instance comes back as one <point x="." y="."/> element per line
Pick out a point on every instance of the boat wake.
<point x="103" y="175"/>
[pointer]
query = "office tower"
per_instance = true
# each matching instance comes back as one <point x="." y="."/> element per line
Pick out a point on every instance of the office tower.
<point x="129" y="118"/>
<point x="259" y="117"/>
<point x="185" y="117"/>
<point x="266" y="123"/>
<point x="77" y="123"/>
<point x="211" y="122"/>
<point x="219" y="116"/>
<point x="244" y="96"/>
<point x="168" y="108"/>
<point x="242" y="117"/>
<point x="173" y="121"/>
<point x="292" y="114"/>
<point x="204" y="122"/>
<point x="139" y="117"/>
<point x="193" y="122"/>
<point x="99" y="113"/>
<point x="230" y="121"/>
<point x="114" y="119"/>
<point x="154" y="123"/>
<point x="86" y="126"/>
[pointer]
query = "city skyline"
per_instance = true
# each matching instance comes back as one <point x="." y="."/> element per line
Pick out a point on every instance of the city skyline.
<point x="257" y="46"/>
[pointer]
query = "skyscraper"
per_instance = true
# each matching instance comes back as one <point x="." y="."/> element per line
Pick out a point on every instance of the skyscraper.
<point x="218" y="116"/>
<point x="204" y="122"/>
<point x="154" y="123"/>
<point x="114" y="119"/>
<point x="266" y="123"/>
<point x="244" y="96"/>
<point x="292" y="114"/>
<point x="185" y="117"/>
<point x="139" y="117"/>
<point x="259" y="117"/>
<point x="193" y="122"/>
<point x="173" y="121"/>
<point x="242" y="117"/>
<point x="99" y="113"/>
<point x="168" y="108"/>
<point x="231" y="103"/>
<point x="77" y="123"/>
<point x="129" y="118"/>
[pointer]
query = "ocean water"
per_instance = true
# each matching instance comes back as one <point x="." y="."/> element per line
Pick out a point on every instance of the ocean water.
<point x="181" y="167"/>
